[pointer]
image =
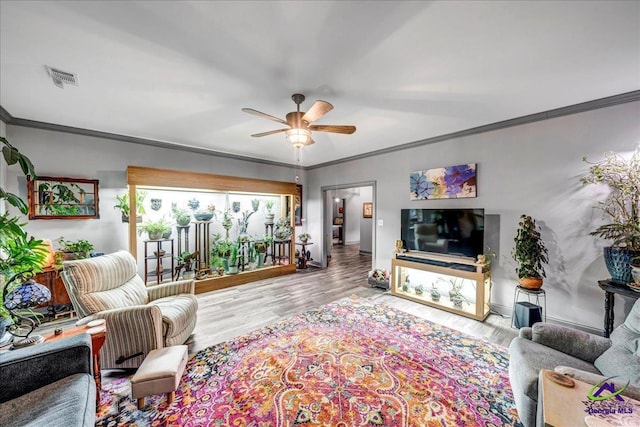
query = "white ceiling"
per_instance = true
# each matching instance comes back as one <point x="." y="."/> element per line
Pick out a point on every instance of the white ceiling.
<point x="180" y="72"/>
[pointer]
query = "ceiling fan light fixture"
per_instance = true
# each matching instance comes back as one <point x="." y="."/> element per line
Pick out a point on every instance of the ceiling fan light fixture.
<point x="298" y="137"/>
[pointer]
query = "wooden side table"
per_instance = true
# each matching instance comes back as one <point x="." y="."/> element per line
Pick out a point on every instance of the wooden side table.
<point x="569" y="406"/>
<point x="302" y="259"/>
<point x="282" y="251"/>
<point x="610" y="289"/>
<point x="98" y="336"/>
<point x="60" y="303"/>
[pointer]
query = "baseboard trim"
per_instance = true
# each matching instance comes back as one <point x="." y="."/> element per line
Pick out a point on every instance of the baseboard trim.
<point x="507" y="311"/>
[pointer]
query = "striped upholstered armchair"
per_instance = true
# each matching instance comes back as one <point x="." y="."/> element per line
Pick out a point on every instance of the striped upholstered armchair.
<point x="139" y="318"/>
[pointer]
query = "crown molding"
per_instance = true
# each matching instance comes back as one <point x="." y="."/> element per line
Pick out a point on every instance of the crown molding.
<point x="596" y="104"/>
<point x="609" y="101"/>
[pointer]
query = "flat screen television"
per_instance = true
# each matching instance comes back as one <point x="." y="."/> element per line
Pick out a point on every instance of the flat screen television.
<point x="457" y="232"/>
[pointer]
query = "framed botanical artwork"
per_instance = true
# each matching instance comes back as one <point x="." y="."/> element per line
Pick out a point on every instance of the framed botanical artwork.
<point x="297" y="210"/>
<point x="451" y="182"/>
<point x="63" y="198"/>
<point x="367" y="210"/>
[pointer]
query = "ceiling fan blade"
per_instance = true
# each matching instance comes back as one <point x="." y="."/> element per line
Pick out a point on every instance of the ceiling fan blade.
<point x="264" y="115"/>
<point x="317" y="110"/>
<point x="271" y="132"/>
<point x="333" y="128"/>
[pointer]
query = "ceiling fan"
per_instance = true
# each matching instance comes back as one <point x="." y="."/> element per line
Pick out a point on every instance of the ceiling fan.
<point x="299" y="123"/>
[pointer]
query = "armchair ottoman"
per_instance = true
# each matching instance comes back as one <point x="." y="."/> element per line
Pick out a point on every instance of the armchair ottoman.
<point x="50" y="384"/>
<point x="586" y="357"/>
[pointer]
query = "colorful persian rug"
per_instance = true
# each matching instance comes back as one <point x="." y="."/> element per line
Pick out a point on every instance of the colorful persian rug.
<point x="349" y="363"/>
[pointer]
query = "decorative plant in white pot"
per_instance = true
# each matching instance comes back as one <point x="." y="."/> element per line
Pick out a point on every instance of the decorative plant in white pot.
<point x="621" y="207"/>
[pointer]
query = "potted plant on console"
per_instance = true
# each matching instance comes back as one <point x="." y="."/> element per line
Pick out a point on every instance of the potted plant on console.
<point x="530" y="253"/>
<point x="622" y="207"/>
<point x="70" y="249"/>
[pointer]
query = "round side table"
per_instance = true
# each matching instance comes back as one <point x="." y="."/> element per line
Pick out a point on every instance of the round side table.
<point x="535" y="296"/>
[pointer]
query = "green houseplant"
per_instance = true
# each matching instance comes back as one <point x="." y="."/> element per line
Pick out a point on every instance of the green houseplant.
<point x="621" y="207"/>
<point x="233" y="259"/>
<point x="18" y="251"/>
<point x="182" y="217"/>
<point x="80" y="248"/>
<point x="155" y="229"/>
<point x="269" y="216"/>
<point x="124" y="206"/>
<point x="530" y="253"/>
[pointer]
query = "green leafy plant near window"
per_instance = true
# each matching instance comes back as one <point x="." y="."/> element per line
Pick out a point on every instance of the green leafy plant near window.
<point x="125" y="207"/>
<point x="155" y="229"/>
<point x="18" y="251"/>
<point x="13" y="156"/>
<point x="622" y="204"/>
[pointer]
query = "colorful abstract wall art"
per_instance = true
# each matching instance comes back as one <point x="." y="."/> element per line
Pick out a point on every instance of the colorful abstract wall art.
<point x="450" y="182"/>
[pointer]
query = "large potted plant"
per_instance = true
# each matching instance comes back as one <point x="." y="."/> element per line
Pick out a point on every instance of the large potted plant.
<point x="622" y="209"/>
<point x="19" y="252"/>
<point x="530" y="253"/>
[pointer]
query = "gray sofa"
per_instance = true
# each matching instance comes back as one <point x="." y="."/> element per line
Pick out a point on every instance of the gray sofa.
<point x="49" y="384"/>
<point x="583" y="356"/>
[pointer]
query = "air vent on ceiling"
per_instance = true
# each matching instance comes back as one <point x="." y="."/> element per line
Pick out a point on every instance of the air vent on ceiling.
<point x="60" y="77"/>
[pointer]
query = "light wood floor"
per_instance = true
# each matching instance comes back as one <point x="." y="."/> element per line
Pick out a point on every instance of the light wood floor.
<point x="227" y="313"/>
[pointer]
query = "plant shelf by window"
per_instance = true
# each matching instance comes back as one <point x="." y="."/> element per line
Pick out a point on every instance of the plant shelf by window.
<point x="223" y="221"/>
<point x="63" y="198"/>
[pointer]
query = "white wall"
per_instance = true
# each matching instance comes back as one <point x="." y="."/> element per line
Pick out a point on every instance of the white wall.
<point x="533" y="169"/>
<point x="366" y="224"/>
<point x="66" y="155"/>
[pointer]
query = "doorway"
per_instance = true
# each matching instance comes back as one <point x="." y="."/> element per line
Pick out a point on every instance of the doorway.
<point x="344" y="222"/>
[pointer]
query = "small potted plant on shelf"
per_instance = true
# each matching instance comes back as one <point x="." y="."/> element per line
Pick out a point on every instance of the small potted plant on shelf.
<point x="269" y="216"/>
<point x="455" y="294"/>
<point x="185" y="262"/>
<point x="304" y="237"/>
<point x="233" y="259"/>
<point x="621" y="207"/>
<point x="419" y="290"/>
<point x="205" y="214"/>
<point x="261" y="249"/>
<point x="406" y="285"/>
<point x="182" y="217"/>
<point x="124" y="207"/>
<point x="530" y="253"/>
<point x="154" y="229"/>
<point x="435" y="293"/>
<point x="282" y="229"/>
